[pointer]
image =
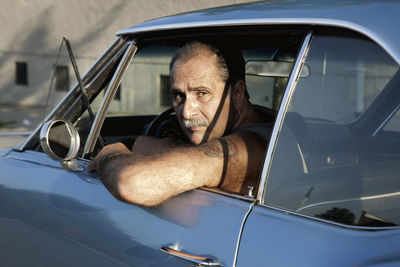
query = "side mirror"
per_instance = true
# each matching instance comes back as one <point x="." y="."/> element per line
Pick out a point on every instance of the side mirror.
<point x="60" y="140"/>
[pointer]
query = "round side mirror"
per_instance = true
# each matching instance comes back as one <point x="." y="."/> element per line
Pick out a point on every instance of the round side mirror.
<point x="60" y="140"/>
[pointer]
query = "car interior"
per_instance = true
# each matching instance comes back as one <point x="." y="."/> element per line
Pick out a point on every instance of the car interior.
<point x="147" y="78"/>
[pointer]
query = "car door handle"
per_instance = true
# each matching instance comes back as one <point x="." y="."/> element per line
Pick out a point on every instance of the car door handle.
<point x="197" y="260"/>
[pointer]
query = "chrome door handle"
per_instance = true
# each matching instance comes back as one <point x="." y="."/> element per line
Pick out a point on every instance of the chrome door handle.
<point x="197" y="260"/>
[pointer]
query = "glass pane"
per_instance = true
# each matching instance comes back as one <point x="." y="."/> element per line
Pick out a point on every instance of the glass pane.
<point x="327" y="163"/>
<point x="393" y="124"/>
<point x="346" y="77"/>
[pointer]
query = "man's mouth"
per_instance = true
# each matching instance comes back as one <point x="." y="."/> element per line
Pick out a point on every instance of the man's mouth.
<point x="194" y="124"/>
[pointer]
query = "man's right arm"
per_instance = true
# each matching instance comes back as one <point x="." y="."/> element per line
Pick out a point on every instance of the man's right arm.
<point x="148" y="179"/>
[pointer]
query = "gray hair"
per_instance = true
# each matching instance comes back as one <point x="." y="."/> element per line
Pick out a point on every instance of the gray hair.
<point x="230" y="62"/>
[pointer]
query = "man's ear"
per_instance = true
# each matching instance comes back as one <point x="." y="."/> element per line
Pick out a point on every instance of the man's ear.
<point x="238" y="93"/>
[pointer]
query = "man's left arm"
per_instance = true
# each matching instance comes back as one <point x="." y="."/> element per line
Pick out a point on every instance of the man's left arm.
<point x="148" y="178"/>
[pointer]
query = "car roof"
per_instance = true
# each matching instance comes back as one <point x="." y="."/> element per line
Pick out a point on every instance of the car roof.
<point x="376" y="19"/>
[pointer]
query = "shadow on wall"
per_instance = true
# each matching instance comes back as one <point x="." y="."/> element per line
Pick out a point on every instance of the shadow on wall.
<point x="22" y="106"/>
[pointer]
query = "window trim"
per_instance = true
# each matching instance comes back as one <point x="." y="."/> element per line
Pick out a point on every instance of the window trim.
<point x="108" y="97"/>
<point x="328" y="222"/>
<point x="293" y="78"/>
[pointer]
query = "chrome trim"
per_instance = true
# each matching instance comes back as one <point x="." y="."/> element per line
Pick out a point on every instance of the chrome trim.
<point x="216" y="190"/>
<point x="74" y="140"/>
<point x="197" y="260"/>
<point x="108" y="97"/>
<point x="383" y="123"/>
<point x="97" y="66"/>
<point x="350" y="227"/>
<point x="241" y="233"/>
<point x="386" y="195"/>
<point x="93" y="71"/>
<point x="269" y="21"/>
<point x="281" y="114"/>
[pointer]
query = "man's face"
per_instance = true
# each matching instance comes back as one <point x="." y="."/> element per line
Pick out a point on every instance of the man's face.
<point x="197" y="91"/>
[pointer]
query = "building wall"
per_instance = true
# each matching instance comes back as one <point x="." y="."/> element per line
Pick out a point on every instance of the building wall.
<point x="32" y="32"/>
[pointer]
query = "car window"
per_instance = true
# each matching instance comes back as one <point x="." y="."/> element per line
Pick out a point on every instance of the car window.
<point x="332" y="160"/>
<point x="145" y="87"/>
<point x="144" y="91"/>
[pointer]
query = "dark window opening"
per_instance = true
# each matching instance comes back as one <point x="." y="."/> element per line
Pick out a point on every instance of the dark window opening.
<point x="165" y="96"/>
<point x="21" y="73"/>
<point x="61" y="78"/>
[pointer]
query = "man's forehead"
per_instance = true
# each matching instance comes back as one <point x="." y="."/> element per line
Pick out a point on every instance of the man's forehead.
<point x="198" y="67"/>
<point x="200" y="56"/>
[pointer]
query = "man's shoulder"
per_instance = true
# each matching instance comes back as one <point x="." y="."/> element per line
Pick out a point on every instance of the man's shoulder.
<point x="264" y="124"/>
<point x="263" y="129"/>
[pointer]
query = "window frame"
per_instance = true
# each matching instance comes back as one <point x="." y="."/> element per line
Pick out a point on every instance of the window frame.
<point x="137" y="43"/>
<point x="107" y="98"/>
<point x="391" y="111"/>
<point x="293" y="78"/>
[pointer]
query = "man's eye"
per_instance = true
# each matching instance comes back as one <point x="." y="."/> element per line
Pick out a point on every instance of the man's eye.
<point x="202" y="93"/>
<point x="177" y="97"/>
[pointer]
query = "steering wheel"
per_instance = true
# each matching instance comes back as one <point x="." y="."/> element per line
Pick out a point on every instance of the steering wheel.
<point x="165" y="125"/>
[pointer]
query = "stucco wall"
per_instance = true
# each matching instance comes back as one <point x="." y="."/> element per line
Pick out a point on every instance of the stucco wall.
<point x="32" y="31"/>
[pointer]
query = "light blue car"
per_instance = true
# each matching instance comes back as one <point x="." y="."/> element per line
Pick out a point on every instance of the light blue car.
<point x="329" y="190"/>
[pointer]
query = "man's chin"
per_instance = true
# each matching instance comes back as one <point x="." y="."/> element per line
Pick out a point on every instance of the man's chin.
<point x="196" y="138"/>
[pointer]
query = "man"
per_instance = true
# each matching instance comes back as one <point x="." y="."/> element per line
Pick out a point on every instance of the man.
<point x="227" y="135"/>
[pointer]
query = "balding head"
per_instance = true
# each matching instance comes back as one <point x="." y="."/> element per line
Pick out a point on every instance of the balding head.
<point x="229" y="62"/>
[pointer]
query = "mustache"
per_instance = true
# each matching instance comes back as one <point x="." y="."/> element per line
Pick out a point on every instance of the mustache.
<point x="190" y="123"/>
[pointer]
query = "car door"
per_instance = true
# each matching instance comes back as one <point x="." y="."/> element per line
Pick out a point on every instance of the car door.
<point x="61" y="209"/>
<point x="55" y="215"/>
<point x="331" y="178"/>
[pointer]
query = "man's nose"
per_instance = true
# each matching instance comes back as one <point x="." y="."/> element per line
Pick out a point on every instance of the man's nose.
<point x="189" y="108"/>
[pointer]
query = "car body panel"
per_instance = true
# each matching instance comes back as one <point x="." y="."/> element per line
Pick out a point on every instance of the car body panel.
<point x="362" y="16"/>
<point x="329" y="245"/>
<point x="76" y="207"/>
<point x="51" y="216"/>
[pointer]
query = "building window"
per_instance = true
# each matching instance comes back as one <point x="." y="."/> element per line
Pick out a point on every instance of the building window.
<point x="118" y="94"/>
<point x="61" y="78"/>
<point x="165" y="96"/>
<point x="21" y="73"/>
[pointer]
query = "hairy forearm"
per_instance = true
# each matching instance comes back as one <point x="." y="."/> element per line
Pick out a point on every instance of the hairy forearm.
<point x="151" y="180"/>
<point x="109" y="168"/>
<point x="146" y="178"/>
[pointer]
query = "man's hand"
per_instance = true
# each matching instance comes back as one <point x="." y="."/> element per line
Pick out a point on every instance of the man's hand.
<point x="108" y="151"/>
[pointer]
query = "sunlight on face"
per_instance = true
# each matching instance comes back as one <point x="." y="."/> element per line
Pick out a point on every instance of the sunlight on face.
<point x="197" y="90"/>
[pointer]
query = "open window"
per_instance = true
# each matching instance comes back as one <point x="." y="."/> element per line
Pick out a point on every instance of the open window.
<point x="269" y="54"/>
